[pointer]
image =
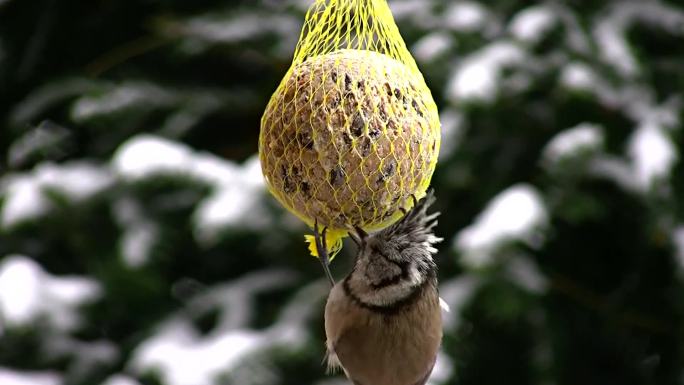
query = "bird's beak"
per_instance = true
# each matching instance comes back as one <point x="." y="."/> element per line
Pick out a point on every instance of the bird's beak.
<point x="357" y="235"/>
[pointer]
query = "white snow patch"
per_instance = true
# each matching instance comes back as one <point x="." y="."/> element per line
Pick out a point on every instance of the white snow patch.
<point x="246" y="26"/>
<point x="678" y="237"/>
<point x="610" y="31"/>
<point x="13" y="377"/>
<point x="119" y="379"/>
<point x="478" y="77"/>
<point x="24" y="200"/>
<point x="24" y="193"/>
<point x="84" y="357"/>
<point x="237" y="189"/>
<point x="213" y="169"/>
<point x="235" y="203"/>
<point x="432" y="46"/>
<point x="251" y="173"/>
<point x="181" y="357"/>
<point x="578" y="76"/>
<point x="137" y="243"/>
<point x="584" y="136"/>
<point x="517" y="213"/>
<point x="225" y="347"/>
<point x="417" y="12"/>
<point x="146" y="155"/>
<point x="404" y="8"/>
<point x="77" y="181"/>
<point x="301" y="5"/>
<point x="119" y="98"/>
<point x="465" y="16"/>
<point x="27" y="292"/>
<point x="631" y="98"/>
<point x="45" y="138"/>
<point x="530" y="24"/>
<point x="444" y="368"/>
<point x="615" y="169"/>
<point x="19" y="282"/>
<point x="234" y="299"/>
<point x="140" y="234"/>
<point x="453" y="129"/>
<point x="34" y="106"/>
<point x="230" y="206"/>
<point x="652" y="153"/>
<point x="526" y="274"/>
<point x="456" y="293"/>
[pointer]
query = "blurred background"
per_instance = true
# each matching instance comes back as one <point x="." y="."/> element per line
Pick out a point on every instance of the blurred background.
<point x="138" y="244"/>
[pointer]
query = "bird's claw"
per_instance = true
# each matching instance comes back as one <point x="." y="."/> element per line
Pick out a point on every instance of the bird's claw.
<point x="321" y="248"/>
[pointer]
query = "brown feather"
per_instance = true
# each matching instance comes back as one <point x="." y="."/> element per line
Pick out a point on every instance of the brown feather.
<point x="381" y="349"/>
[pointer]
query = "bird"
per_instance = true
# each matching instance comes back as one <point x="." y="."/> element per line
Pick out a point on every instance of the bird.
<point x="383" y="321"/>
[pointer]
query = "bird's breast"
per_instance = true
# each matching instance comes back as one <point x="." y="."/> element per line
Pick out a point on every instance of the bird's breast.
<point x="385" y="348"/>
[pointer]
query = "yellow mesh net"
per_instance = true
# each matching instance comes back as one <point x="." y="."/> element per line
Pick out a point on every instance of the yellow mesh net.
<point x="352" y="130"/>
